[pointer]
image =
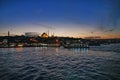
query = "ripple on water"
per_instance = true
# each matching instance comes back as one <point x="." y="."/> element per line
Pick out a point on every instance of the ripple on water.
<point x="49" y="65"/>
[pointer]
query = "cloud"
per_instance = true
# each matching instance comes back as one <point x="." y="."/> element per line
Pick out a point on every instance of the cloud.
<point x="109" y="30"/>
<point x="93" y="37"/>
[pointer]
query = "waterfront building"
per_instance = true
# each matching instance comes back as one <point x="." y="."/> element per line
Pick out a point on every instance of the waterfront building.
<point x="44" y="35"/>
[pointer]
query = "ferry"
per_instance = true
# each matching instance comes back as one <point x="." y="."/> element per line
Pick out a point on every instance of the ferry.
<point x="75" y="45"/>
<point x="19" y="45"/>
<point x="50" y="45"/>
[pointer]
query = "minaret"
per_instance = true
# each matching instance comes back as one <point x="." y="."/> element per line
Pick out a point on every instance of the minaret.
<point x="48" y="33"/>
<point x="8" y="33"/>
<point x="53" y="34"/>
<point x="8" y="42"/>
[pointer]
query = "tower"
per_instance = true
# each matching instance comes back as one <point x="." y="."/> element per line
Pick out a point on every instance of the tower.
<point x="8" y="42"/>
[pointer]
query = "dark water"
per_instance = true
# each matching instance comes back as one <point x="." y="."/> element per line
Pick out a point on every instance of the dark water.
<point x="58" y="64"/>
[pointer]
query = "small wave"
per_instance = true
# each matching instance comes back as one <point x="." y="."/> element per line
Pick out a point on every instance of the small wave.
<point x="92" y="65"/>
<point x="110" y="47"/>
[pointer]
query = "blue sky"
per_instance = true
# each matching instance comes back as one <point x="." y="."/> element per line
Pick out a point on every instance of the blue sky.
<point x="74" y="18"/>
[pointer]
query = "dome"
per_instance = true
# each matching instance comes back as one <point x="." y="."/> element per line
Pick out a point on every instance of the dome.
<point x="44" y="35"/>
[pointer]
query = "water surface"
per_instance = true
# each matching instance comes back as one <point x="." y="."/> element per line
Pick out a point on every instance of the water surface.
<point x="38" y="63"/>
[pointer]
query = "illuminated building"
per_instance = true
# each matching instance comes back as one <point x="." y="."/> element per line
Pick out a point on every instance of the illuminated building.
<point x="44" y="35"/>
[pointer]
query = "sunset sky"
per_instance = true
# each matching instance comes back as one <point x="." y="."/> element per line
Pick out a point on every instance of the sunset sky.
<point x="73" y="18"/>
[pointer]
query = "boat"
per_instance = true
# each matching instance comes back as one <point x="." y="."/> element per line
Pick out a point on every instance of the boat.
<point x="75" y="45"/>
<point x="19" y="45"/>
<point x="50" y="45"/>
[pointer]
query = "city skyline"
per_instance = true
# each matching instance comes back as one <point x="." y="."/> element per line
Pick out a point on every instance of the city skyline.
<point x="72" y="18"/>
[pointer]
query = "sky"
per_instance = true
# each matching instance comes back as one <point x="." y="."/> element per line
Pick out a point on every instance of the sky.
<point x="71" y="18"/>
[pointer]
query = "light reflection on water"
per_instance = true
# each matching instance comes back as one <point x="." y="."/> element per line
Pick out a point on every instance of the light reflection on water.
<point x="19" y="49"/>
<point x="42" y="63"/>
<point x="79" y="50"/>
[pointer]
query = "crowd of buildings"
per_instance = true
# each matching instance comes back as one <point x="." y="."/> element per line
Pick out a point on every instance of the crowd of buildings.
<point x="33" y="39"/>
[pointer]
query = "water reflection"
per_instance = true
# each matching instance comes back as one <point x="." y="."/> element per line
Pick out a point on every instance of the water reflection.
<point x="7" y="50"/>
<point x="44" y="50"/>
<point x="18" y="56"/>
<point x="19" y="49"/>
<point x="56" y="50"/>
<point x="11" y="50"/>
<point x="58" y="64"/>
<point x="79" y="50"/>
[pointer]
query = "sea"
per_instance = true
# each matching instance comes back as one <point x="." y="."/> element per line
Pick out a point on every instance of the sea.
<point x="58" y="63"/>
